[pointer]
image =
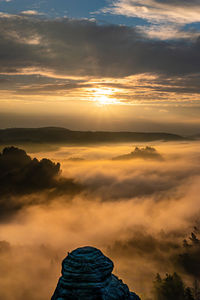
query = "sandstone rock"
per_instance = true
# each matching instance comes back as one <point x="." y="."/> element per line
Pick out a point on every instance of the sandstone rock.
<point x="87" y="275"/>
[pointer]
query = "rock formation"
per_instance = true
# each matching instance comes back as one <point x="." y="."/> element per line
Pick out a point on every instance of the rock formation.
<point x="87" y="275"/>
<point x="143" y="153"/>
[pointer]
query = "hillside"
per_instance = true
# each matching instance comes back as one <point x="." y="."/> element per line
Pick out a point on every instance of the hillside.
<point x="63" y="135"/>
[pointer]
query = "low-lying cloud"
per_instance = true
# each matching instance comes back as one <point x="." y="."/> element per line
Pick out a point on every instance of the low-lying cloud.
<point x="138" y="212"/>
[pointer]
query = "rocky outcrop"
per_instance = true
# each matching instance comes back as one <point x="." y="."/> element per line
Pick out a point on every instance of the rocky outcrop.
<point x="142" y="153"/>
<point x="87" y="275"/>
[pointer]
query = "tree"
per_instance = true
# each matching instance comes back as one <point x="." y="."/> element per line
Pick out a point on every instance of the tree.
<point x="171" y="288"/>
<point x="188" y="294"/>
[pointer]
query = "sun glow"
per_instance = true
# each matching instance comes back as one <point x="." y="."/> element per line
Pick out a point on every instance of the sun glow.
<point x="104" y="96"/>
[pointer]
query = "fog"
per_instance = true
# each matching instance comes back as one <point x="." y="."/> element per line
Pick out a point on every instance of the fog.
<point x="137" y="211"/>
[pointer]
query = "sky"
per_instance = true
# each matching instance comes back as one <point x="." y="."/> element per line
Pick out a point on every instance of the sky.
<point x="100" y="65"/>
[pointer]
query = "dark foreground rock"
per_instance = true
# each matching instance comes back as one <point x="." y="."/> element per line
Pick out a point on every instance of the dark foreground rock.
<point x="87" y="274"/>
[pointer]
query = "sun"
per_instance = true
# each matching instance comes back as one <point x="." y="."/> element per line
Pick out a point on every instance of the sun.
<point x="105" y="100"/>
<point x="104" y="96"/>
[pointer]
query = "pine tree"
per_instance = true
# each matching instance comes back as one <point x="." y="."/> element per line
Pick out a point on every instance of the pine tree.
<point x="171" y="288"/>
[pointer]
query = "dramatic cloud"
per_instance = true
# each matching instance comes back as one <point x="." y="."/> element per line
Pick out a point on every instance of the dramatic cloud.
<point x="84" y="48"/>
<point x="82" y="60"/>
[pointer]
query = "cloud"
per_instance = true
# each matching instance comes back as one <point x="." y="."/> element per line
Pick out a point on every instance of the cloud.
<point x="155" y="88"/>
<point x="24" y="259"/>
<point x="157" y="11"/>
<point x="129" y="179"/>
<point x="166" y="19"/>
<point x="31" y="12"/>
<point x="166" y="253"/>
<point x="71" y="57"/>
<point x="83" y="48"/>
<point x="58" y="86"/>
<point x="168" y="32"/>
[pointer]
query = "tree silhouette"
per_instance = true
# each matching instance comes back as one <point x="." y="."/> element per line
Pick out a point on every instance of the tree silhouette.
<point x="171" y="288"/>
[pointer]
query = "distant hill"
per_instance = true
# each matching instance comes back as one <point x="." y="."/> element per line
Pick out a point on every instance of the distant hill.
<point x="195" y="137"/>
<point x="63" y="135"/>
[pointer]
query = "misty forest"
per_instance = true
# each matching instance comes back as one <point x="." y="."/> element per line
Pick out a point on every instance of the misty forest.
<point x="136" y="202"/>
